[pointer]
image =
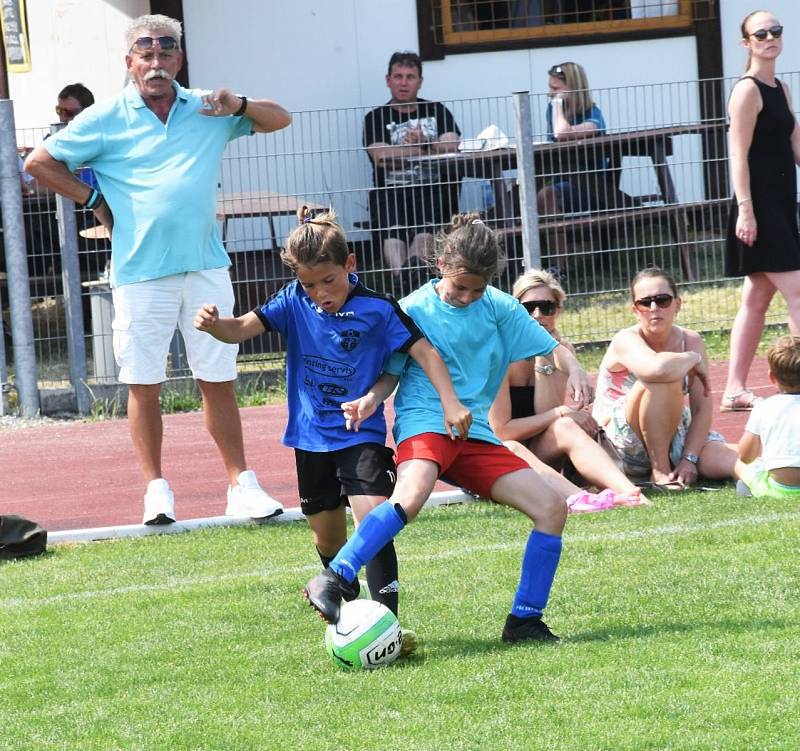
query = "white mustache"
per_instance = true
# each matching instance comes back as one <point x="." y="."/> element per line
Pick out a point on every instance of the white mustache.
<point x="160" y="73"/>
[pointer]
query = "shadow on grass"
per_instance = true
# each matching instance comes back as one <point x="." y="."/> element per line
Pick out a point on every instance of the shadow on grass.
<point x="444" y="648"/>
<point x="660" y="629"/>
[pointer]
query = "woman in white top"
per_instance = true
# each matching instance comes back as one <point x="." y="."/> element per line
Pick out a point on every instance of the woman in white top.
<point x="645" y="376"/>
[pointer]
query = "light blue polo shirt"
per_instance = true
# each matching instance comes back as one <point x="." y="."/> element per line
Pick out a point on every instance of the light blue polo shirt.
<point x="159" y="179"/>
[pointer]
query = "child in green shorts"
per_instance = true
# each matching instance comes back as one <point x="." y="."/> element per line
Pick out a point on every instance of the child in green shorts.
<point x="769" y="449"/>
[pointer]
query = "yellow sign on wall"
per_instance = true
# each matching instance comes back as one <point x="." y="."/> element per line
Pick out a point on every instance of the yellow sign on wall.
<point x="15" y="36"/>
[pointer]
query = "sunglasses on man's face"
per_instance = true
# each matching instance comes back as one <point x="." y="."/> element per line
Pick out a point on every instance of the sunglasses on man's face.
<point x="68" y="113"/>
<point x="645" y="303"/>
<point x="546" y="307"/>
<point x="145" y="44"/>
<point x="761" y="34"/>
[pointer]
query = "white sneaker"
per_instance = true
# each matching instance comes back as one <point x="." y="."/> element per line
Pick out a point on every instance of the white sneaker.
<point x="742" y="489"/>
<point x="249" y="499"/>
<point x="159" y="503"/>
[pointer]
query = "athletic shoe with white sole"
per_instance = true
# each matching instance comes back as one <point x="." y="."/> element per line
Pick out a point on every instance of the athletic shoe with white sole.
<point x="248" y="498"/>
<point x="159" y="503"/>
<point x="324" y="594"/>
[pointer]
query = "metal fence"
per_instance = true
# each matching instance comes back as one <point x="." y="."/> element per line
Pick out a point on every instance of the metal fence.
<point x="651" y="191"/>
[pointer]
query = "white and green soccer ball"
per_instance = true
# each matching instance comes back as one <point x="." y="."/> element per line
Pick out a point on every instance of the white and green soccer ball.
<point x="367" y="635"/>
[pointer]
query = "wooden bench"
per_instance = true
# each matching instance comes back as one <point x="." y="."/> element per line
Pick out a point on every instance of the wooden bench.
<point x="681" y="217"/>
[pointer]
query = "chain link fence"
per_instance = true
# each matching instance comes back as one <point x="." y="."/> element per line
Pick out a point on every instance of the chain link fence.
<point x="651" y="189"/>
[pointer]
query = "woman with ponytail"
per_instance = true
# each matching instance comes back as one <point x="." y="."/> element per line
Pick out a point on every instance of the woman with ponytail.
<point x="763" y="244"/>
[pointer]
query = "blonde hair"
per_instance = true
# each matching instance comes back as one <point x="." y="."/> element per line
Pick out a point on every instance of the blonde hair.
<point x="539" y="278"/>
<point x="469" y="247"/>
<point x="577" y="97"/>
<point x="317" y="239"/>
<point x="784" y="362"/>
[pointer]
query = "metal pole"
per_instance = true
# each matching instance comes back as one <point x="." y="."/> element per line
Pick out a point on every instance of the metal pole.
<point x="526" y="175"/>
<point x="3" y="363"/>
<point x="19" y="293"/>
<point x="71" y="281"/>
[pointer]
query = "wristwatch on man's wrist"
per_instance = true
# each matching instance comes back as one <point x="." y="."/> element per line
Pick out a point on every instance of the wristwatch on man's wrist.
<point x="242" y="107"/>
<point x="546" y="369"/>
<point x="690" y="457"/>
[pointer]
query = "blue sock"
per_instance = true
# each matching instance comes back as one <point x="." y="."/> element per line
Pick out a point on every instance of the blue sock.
<point x="377" y="529"/>
<point x="539" y="565"/>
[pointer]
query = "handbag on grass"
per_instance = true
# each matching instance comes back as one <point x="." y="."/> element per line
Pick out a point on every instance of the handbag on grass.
<point x="20" y="537"/>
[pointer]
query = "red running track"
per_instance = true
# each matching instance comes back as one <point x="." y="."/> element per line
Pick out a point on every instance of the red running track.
<point x="77" y="475"/>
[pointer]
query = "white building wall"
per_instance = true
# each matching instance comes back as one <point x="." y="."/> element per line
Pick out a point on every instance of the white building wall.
<point x="317" y="54"/>
<point x="734" y="55"/>
<point x="71" y="41"/>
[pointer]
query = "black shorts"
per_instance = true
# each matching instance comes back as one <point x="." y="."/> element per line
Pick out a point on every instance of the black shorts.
<point x="326" y="478"/>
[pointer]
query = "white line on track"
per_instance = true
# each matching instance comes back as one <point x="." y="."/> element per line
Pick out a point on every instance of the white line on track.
<point x="188" y="583"/>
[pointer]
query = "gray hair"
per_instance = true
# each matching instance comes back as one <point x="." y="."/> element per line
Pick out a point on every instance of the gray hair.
<point x="155" y="22"/>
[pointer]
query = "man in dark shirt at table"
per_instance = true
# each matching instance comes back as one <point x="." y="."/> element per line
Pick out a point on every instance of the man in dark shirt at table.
<point x="409" y="199"/>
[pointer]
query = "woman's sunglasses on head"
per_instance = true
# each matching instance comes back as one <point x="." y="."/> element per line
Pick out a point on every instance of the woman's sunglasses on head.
<point x="646" y="303"/>
<point x="761" y="34"/>
<point x="546" y="307"/>
<point x="557" y="71"/>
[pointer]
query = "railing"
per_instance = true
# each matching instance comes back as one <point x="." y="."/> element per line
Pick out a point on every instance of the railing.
<point x="656" y="185"/>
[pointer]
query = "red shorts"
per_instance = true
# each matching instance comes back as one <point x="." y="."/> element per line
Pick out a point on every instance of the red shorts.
<point x="474" y="465"/>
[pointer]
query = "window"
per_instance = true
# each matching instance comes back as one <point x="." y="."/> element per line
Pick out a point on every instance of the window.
<point x="475" y="23"/>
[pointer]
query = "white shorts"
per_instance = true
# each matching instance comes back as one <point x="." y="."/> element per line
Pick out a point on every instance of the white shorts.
<point x="145" y="317"/>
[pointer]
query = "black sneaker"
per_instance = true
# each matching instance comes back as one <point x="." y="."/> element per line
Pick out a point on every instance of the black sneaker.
<point x="324" y="594"/>
<point x="526" y="629"/>
<point x="350" y="590"/>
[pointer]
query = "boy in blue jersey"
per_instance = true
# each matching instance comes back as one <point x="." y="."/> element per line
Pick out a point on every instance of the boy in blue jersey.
<point x="478" y="330"/>
<point x="340" y="336"/>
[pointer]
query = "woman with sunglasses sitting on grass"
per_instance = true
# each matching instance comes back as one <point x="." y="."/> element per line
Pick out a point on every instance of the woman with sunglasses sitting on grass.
<point x="645" y="376"/>
<point x="531" y="416"/>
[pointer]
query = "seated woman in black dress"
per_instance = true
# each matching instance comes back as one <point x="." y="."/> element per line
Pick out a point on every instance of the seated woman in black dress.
<point x="530" y="411"/>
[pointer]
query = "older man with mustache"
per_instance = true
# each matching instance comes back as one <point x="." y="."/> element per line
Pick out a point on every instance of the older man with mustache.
<point x="156" y="150"/>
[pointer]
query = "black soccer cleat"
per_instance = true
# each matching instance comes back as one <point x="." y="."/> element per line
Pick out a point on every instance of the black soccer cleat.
<point x="324" y="594"/>
<point x="526" y="629"/>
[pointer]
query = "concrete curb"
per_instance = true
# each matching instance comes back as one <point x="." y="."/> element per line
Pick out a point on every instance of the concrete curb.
<point x="95" y="534"/>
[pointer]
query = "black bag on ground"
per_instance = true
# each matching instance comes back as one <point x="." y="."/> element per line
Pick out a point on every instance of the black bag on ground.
<point x="20" y="537"/>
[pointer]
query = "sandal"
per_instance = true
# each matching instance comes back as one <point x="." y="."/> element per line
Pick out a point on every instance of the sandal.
<point x="585" y="502"/>
<point x="624" y="499"/>
<point x="742" y="401"/>
<point x="675" y="486"/>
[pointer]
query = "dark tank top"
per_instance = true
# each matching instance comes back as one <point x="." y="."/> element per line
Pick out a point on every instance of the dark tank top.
<point x="772" y="189"/>
<point x="521" y="401"/>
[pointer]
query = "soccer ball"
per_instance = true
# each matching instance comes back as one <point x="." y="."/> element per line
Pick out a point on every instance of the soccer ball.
<point x="367" y="635"/>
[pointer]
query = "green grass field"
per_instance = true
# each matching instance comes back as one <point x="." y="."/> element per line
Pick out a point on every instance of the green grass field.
<point x="679" y="624"/>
